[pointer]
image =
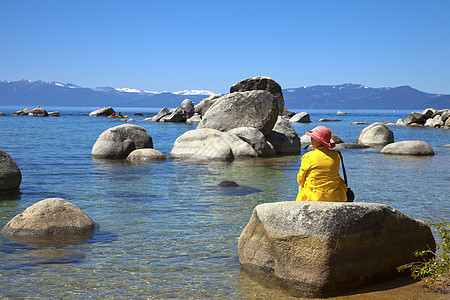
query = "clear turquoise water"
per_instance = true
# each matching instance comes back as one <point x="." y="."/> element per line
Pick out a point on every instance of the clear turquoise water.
<point x="166" y="230"/>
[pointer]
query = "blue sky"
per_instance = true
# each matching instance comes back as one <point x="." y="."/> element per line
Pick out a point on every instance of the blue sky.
<point x="210" y="45"/>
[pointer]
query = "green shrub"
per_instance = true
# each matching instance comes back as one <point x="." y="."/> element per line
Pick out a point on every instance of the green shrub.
<point x="436" y="270"/>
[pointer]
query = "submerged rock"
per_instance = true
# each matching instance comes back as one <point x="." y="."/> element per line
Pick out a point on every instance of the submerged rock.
<point x="321" y="249"/>
<point x="228" y="183"/>
<point x="53" y="216"/>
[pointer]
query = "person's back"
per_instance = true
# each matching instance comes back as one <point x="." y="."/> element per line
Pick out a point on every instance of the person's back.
<point x="318" y="176"/>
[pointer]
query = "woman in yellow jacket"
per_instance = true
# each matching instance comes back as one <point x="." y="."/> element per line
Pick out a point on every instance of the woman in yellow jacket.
<point x="318" y="177"/>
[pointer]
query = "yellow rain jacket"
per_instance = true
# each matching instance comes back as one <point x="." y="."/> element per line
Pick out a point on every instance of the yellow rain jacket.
<point x="319" y="178"/>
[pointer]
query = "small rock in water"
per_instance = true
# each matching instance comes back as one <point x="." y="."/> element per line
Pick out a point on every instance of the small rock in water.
<point x="227" y="183"/>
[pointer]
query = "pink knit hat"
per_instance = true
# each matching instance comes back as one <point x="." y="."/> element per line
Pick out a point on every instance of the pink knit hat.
<point x="322" y="135"/>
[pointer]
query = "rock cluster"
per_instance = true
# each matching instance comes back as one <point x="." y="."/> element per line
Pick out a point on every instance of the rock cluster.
<point x="321" y="249"/>
<point x="36" y="112"/>
<point x="430" y="117"/>
<point x="190" y="113"/>
<point x="53" y="216"/>
<point x="243" y="124"/>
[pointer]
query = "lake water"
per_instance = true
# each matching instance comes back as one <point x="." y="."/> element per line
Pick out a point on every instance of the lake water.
<point x="166" y="229"/>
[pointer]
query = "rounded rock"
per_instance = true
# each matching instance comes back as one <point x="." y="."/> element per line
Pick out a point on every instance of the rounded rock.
<point x="375" y="134"/>
<point x="10" y="175"/>
<point x="146" y="154"/>
<point x="414" y="148"/>
<point x="117" y="142"/>
<point x="53" y="216"/>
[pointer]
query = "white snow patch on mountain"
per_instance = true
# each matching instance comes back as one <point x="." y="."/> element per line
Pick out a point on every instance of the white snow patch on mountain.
<point x="194" y="92"/>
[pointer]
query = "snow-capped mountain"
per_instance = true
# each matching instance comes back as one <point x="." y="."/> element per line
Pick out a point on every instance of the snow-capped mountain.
<point x="27" y="92"/>
<point x="345" y="96"/>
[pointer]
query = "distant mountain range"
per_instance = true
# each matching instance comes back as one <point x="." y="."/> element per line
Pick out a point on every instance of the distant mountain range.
<point x="347" y="96"/>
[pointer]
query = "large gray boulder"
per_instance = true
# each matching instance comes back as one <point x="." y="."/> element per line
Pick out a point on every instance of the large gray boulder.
<point x="10" y="175"/>
<point x="187" y="108"/>
<point x="415" y="148"/>
<point x="283" y="138"/>
<point x="103" y="112"/>
<point x="321" y="249"/>
<point x="256" y="139"/>
<point x="117" y="142"/>
<point x="261" y="83"/>
<point x="210" y="144"/>
<point x="302" y="117"/>
<point x="53" y="216"/>
<point x="376" y="134"/>
<point x="256" y="109"/>
<point x="205" y="104"/>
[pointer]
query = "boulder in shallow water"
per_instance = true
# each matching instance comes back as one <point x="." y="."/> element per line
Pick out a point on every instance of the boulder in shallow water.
<point x="53" y="216"/>
<point x="414" y="148"/>
<point x="10" y="175"/>
<point x="103" y="112"/>
<point x="256" y="109"/>
<point x="146" y="154"/>
<point x="209" y="144"/>
<point x="117" y="142"/>
<point x="376" y="134"/>
<point x="302" y="117"/>
<point x="321" y="249"/>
